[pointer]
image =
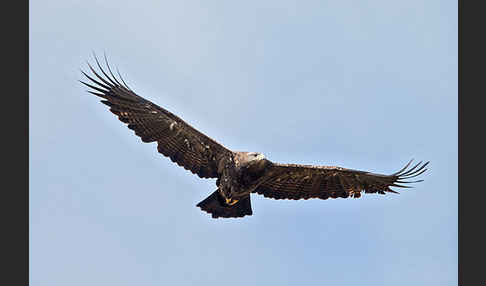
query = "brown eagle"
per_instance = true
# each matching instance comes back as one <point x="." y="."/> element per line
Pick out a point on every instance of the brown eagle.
<point x="238" y="174"/>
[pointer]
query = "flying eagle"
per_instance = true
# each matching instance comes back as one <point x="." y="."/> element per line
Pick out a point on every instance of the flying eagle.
<point x="238" y="174"/>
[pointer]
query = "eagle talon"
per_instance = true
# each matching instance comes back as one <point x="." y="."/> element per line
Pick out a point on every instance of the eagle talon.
<point x="230" y="202"/>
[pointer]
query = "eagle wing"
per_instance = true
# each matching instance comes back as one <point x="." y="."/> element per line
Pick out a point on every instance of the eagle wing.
<point x="294" y="182"/>
<point x="176" y="139"/>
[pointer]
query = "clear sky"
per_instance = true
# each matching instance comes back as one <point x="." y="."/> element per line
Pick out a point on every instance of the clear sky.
<point x="359" y="84"/>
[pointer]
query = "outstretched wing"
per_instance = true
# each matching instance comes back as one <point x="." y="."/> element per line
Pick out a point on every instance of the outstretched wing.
<point x="294" y="182"/>
<point x="176" y="139"/>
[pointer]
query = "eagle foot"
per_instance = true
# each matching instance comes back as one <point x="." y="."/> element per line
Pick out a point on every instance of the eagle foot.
<point x="231" y="202"/>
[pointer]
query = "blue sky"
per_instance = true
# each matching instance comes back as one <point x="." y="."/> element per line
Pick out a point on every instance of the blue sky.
<point x="363" y="85"/>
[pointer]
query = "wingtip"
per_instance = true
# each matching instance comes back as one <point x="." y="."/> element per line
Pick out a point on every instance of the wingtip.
<point x="406" y="173"/>
<point x="101" y="80"/>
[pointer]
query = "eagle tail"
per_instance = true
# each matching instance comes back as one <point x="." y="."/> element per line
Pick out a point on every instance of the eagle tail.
<point x="215" y="205"/>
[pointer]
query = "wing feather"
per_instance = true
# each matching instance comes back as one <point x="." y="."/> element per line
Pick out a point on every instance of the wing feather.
<point x="294" y="182"/>
<point x="175" y="139"/>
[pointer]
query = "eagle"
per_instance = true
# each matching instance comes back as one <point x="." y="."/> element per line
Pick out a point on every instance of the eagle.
<point x="237" y="174"/>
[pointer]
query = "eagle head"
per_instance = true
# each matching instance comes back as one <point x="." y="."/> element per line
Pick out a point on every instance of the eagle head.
<point x="253" y="162"/>
<point x="255" y="156"/>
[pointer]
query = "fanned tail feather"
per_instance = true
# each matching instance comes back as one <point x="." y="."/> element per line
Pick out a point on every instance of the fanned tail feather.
<point x="216" y="206"/>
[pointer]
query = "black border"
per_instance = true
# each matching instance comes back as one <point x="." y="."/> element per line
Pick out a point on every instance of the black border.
<point x="471" y="147"/>
<point x="460" y="201"/>
<point x="15" y="141"/>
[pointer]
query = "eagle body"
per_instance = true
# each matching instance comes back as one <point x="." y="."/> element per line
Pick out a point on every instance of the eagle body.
<point x="240" y="174"/>
<point x="237" y="174"/>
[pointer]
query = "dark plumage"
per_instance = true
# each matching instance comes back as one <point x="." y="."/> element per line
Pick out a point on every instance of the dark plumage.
<point x="238" y="174"/>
